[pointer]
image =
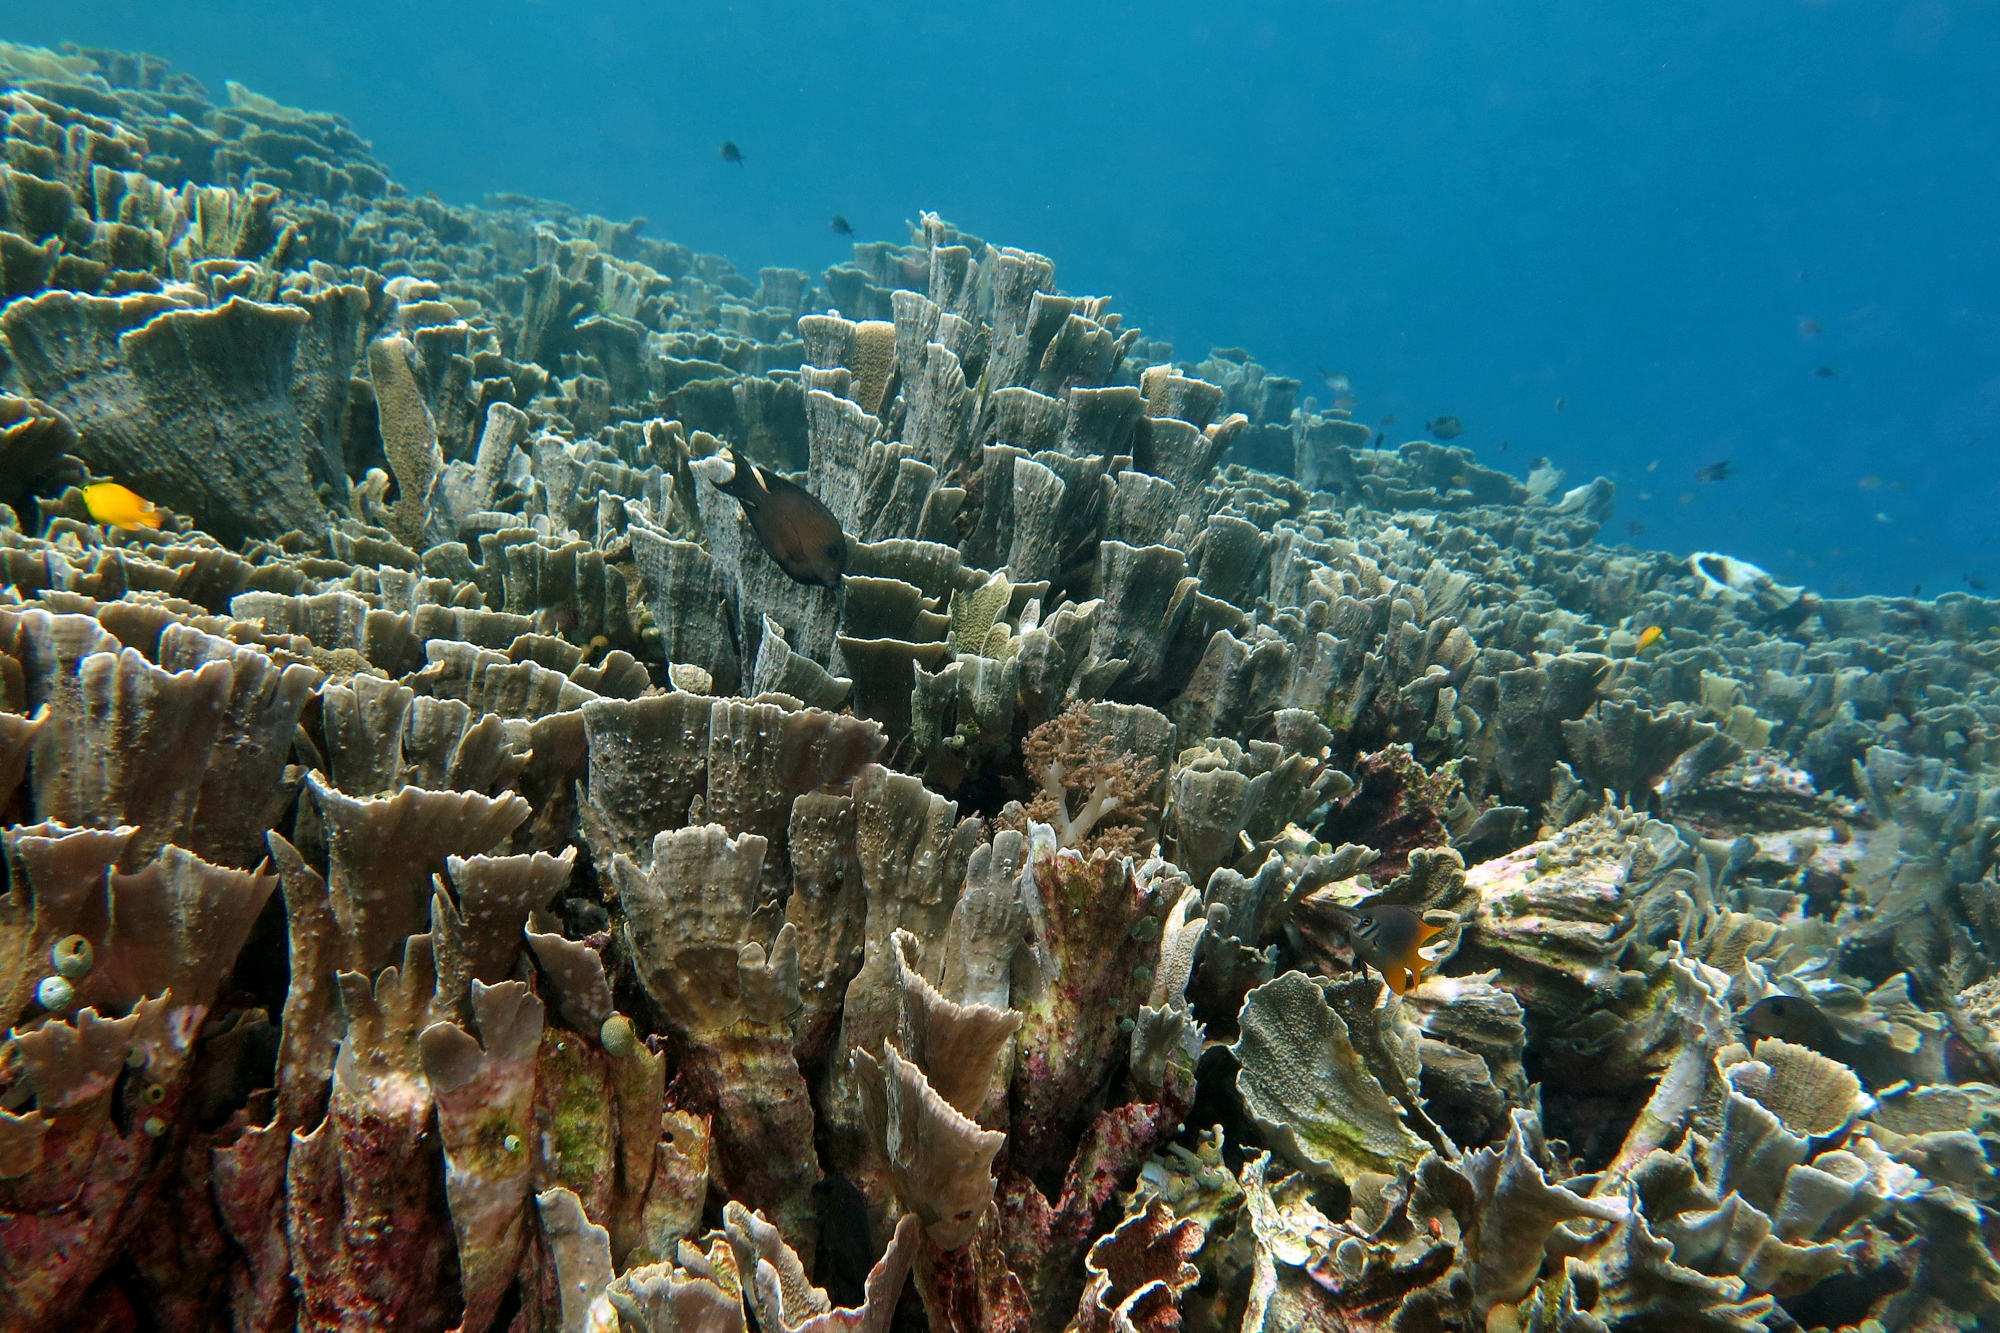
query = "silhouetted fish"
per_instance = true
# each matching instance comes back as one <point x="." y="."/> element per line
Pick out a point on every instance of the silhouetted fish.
<point x="1446" y="428"/>
<point x="1826" y="372"/>
<point x="1803" y="1023"/>
<point x="792" y="526"/>
<point x="731" y="153"/>
<point x="1387" y="937"/>
<point x="841" y="226"/>
<point x="1715" y="472"/>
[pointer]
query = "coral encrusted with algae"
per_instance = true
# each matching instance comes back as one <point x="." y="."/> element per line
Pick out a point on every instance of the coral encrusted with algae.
<point x="456" y="879"/>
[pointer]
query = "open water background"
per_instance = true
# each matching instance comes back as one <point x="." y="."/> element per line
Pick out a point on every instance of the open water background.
<point x="1468" y="207"/>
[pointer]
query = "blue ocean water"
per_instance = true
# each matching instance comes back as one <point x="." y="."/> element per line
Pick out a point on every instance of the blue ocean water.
<point x="1637" y="239"/>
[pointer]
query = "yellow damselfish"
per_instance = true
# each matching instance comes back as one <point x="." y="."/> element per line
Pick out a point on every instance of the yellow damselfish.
<point x="1649" y="636"/>
<point x="120" y="506"/>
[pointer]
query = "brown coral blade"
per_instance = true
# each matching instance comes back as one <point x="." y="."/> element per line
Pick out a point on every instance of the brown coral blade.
<point x="784" y="1293"/>
<point x="582" y="1255"/>
<point x="1138" y="1272"/>
<point x="575" y="972"/>
<point x="478" y="931"/>
<point x="17" y="742"/>
<point x="1517" y="1210"/>
<point x="176" y="924"/>
<point x="249" y="1173"/>
<point x="746" y="1081"/>
<point x="762" y="757"/>
<point x="687" y="914"/>
<point x="193" y="407"/>
<point x="409" y="436"/>
<point x="56" y="881"/>
<point x="139" y="741"/>
<point x="690" y="919"/>
<point x="829" y="908"/>
<point x="973" y="1288"/>
<point x="365" y="1213"/>
<point x="485" y="1090"/>
<point x="939" y="1162"/>
<point x="244" y="792"/>
<point x="787" y="1302"/>
<point x="382" y="853"/>
<point x="702" y="1297"/>
<point x="63" y="1222"/>
<point x="1093" y="963"/>
<point x="648" y="763"/>
<point x="958" y="1046"/>
<point x="671" y="1207"/>
<point x="21" y="1142"/>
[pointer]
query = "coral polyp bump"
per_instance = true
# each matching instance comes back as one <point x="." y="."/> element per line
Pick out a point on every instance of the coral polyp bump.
<point x="457" y="878"/>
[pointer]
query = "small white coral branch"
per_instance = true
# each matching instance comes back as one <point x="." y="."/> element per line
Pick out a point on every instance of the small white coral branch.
<point x="1071" y="830"/>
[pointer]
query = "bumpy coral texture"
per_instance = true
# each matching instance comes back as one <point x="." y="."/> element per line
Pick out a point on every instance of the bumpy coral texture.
<point x="455" y="879"/>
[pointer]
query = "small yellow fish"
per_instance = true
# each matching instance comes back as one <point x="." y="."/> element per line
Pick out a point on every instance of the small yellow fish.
<point x="1649" y="636"/>
<point x="120" y="507"/>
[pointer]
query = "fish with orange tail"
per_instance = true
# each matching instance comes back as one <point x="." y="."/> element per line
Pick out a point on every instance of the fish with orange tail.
<point x="1387" y="937"/>
<point x="120" y="507"/>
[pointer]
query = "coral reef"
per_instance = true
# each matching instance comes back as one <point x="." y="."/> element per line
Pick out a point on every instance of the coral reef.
<point x="456" y="878"/>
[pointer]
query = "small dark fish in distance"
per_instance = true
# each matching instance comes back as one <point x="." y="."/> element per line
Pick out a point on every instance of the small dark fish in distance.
<point x="1389" y="419"/>
<point x="1446" y="428"/>
<point x="1561" y="403"/>
<point x="1635" y="527"/>
<point x="1977" y="584"/>
<point x="1380" y="435"/>
<point x="792" y="526"/>
<point x="731" y="153"/>
<point x="1826" y="372"/>
<point x="1715" y="472"/>
<point x="841" y="226"/>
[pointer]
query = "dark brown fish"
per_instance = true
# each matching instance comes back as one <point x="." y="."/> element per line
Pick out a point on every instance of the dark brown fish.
<point x="841" y="226"/>
<point x="1446" y="428"/>
<point x="1803" y="1023"/>
<point x="791" y="524"/>
<point x="731" y="153"/>
<point x="1714" y="472"/>
<point x="1387" y="937"/>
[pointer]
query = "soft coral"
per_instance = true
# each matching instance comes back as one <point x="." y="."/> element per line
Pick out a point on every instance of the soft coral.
<point x="1092" y="797"/>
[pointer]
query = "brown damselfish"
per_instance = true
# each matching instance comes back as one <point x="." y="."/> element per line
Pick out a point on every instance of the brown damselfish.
<point x="1387" y="936"/>
<point x="792" y="526"/>
<point x="1803" y="1023"/>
